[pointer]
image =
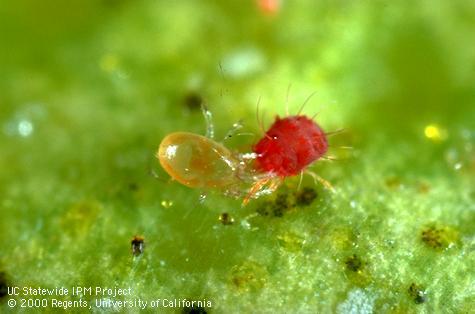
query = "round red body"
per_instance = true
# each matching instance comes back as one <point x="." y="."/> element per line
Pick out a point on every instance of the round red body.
<point x="290" y="145"/>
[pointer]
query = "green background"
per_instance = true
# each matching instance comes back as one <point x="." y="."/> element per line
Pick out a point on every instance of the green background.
<point x="89" y="88"/>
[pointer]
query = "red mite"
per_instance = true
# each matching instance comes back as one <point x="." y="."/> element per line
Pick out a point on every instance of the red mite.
<point x="289" y="146"/>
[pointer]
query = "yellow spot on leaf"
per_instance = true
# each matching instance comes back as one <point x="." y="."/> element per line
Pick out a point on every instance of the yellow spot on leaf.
<point x="166" y="204"/>
<point x="435" y="133"/>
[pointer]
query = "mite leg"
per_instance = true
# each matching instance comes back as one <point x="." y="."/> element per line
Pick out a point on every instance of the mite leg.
<point x="258" y="188"/>
<point x="300" y="180"/>
<point x="274" y="184"/>
<point x="322" y="181"/>
<point x="236" y="126"/>
<point x="209" y="120"/>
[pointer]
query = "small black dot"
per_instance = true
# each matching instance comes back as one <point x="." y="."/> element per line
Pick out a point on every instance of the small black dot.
<point x="137" y="245"/>
<point x="417" y="293"/>
<point x="226" y="219"/>
<point x="420" y="299"/>
<point x="354" y="263"/>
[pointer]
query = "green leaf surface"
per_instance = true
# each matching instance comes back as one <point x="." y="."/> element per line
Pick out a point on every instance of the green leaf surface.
<point x="88" y="89"/>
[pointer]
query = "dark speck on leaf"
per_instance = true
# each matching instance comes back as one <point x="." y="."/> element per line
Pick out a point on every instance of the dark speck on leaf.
<point x="226" y="219"/>
<point x="354" y="263"/>
<point x="417" y="293"/>
<point x="137" y="245"/>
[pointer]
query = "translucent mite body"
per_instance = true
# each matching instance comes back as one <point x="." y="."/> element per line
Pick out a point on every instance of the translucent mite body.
<point x="201" y="162"/>
<point x="197" y="161"/>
